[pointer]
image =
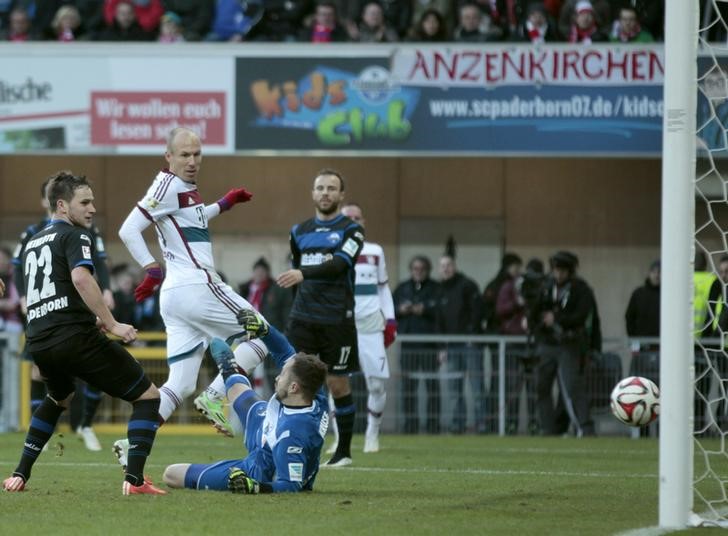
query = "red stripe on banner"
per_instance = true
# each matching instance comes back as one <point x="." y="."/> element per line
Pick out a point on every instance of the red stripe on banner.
<point x="48" y="115"/>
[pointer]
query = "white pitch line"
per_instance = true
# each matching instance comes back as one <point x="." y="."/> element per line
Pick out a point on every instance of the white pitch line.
<point x="645" y="531"/>
<point x="421" y="470"/>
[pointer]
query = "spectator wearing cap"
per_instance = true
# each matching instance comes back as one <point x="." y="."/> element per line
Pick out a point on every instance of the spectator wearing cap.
<point x="170" y="28"/>
<point x="627" y="28"/>
<point x="584" y="29"/>
<point x="566" y="315"/>
<point x="602" y="14"/>
<point x="538" y="28"/>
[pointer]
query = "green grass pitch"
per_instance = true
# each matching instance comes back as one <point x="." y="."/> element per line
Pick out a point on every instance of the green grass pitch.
<point x="444" y="485"/>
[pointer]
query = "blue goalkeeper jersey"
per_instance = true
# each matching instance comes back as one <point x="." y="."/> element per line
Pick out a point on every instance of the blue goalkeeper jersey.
<point x="286" y="447"/>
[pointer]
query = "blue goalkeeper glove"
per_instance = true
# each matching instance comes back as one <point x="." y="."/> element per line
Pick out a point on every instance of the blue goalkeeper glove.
<point x="240" y="482"/>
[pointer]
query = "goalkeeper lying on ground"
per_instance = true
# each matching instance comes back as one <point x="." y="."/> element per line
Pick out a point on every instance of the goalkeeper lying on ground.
<point x="283" y="436"/>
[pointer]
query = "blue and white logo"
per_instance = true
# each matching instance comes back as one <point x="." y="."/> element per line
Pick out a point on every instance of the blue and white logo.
<point x="374" y="84"/>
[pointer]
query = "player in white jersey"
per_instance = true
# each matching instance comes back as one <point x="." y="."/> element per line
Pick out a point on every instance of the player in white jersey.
<point x="195" y="303"/>
<point x="376" y="326"/>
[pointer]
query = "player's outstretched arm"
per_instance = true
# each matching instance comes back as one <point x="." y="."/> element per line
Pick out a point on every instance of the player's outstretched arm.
<point x="233" y="197"/>
<point x="90" y="293"/>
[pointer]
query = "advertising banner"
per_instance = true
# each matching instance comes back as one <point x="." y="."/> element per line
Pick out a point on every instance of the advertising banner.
<point x="121" y="104"/>
<point x="326" y="104"/>
<point x="458" y="99"/>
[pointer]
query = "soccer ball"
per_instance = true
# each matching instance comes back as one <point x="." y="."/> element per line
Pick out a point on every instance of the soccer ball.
<point x="635" y="401"/>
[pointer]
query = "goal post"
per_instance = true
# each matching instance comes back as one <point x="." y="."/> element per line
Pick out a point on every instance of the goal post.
<point x="677" y="242"/>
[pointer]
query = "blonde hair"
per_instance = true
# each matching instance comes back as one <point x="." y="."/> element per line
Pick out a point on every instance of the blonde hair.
<point x="65" y="11"/>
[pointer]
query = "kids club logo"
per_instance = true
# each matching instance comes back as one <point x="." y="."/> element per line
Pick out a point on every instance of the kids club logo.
<point x="342" y="108"/>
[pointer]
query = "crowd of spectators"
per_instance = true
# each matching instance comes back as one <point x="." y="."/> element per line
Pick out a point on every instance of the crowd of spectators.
<point x="322" y="21"/>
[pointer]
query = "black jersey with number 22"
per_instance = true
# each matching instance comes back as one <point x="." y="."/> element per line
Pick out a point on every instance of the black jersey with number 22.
<point x="55" y="308"/>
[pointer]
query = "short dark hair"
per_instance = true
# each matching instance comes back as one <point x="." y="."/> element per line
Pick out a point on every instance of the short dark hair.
<point x="330" y="171"/>
<point x="262" y="263"/>
<point x="424" y="260"/>
<point x="63" y="185"/>
<point x="310" y="373"/>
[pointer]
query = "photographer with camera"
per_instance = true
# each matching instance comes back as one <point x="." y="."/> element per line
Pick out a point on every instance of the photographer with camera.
<point x="517" y="300"/>
<point x="565" y="313"/>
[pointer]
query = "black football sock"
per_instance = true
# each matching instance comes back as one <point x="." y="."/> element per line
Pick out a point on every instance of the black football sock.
<point x="37" y="394"/>
<point x="141" y="431"/>
<point x="41" y="428"/>
<point x="345" y="411"/>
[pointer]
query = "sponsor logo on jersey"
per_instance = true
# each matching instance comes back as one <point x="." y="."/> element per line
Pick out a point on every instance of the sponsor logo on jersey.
<point x="40" y="241"/>
<point x="295" y="472"/>
<point x="86" y="250"/>
<point x="314" y="259"/>
<point x="188" y="199"/>
<point x="350" y="247"/>
<point x="294" y="450"/>
<point x="359" y="236"/>
<point x="48" y="307"/>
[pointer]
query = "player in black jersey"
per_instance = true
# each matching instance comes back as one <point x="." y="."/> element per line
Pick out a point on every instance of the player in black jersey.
<point x="321" y="321"/>
<point x="65" y="311"/>
<point x="92" y="396"/>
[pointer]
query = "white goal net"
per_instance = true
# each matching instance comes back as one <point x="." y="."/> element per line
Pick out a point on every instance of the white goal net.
<point x="709" y="496"/>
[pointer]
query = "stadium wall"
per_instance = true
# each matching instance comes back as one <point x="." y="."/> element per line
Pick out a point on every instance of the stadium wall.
<point x="606" y="210"/>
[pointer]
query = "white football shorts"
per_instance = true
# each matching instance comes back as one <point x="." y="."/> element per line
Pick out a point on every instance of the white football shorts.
<point x="193" y="314"/>
<point x="372" y="355"/>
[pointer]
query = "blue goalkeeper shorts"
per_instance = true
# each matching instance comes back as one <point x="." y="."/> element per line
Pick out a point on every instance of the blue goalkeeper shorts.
<point x="258" y="464"/>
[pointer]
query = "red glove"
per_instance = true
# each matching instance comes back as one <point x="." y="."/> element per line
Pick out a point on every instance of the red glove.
<point x="390" y="332"/>
<point x="234" y="196"/>
<point x="150" y="285"/>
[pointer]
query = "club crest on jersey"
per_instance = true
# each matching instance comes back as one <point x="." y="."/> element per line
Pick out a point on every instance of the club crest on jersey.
<point x="333" y="238"/>
<point x="151" y="203"/>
